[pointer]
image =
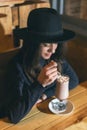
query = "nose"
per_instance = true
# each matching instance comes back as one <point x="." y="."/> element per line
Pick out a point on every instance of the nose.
<point x="53" y="48"/>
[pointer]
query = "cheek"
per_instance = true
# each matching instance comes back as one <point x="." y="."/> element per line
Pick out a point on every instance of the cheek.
<point x="43" y="51"/>
<point x="56" y="46"/>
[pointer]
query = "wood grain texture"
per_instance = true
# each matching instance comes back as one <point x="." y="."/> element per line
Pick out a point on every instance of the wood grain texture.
<point x="41" y="118"/>
<point x="77" y="56"/>
<point x="10" y="2"/>
<point x="6" y="19"/>
<point x="24" y="11"/>
<point x="11" y="17"/>
<point x="14" y="2"/>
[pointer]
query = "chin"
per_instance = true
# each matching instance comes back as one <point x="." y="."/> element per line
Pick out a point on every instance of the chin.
<point x="46" y="58"/>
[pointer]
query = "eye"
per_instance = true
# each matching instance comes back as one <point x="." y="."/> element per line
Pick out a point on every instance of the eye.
<point x="46" y="44"/>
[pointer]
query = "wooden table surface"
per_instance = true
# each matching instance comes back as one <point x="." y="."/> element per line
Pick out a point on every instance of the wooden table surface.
<point x="40" y="117"/>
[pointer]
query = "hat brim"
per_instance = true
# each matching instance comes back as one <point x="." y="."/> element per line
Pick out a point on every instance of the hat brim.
<point x="66" y="36"/>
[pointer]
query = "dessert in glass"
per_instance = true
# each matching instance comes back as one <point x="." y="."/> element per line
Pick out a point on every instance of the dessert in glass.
<point x="62" y="87"/>
<point x="61" y="93"/>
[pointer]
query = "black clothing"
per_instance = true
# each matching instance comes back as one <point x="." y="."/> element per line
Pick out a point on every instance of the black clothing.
<point x="22" y="93"/>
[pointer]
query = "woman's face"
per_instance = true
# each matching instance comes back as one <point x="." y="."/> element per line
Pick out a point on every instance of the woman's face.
<point x="48" y="49"/>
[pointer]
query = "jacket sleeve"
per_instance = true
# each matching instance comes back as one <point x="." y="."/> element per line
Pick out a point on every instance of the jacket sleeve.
<point x="50" y="92"/>
<point x="25" y="94"/>
<point x="68" y="70"/>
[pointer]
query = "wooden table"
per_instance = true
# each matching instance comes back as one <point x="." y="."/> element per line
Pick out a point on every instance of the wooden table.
<point x="40" y="117"/>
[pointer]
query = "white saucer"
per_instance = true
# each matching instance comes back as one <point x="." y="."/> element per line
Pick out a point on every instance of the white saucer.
<point x="68" y="108"/>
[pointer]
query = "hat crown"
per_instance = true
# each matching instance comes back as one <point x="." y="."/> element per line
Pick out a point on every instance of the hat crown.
<point x="44" y="25"/>
<point x="45" y="21"/>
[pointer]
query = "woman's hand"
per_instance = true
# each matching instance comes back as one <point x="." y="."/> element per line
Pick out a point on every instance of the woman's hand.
<point x="48" y="74"/>
<point x="44" y="97"/>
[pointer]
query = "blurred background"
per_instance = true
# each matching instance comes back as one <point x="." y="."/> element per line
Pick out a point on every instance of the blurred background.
<point x="14" y="13"/>
<point x="74" y="16"/>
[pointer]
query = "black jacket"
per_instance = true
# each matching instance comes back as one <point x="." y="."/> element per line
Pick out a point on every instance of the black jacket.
<point x="22" y="94"/>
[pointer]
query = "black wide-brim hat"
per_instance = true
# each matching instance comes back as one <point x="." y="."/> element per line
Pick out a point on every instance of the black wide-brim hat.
<point x="45" y="25"/>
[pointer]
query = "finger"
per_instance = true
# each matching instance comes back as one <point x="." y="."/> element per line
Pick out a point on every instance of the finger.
<point x="44" y="96"/>
<point x="53" y="74"/>
<point x="52" y="80"/>
<point x="52" y="70"/>
<point x="51" y="65"/>
<point x="38" y="101"/>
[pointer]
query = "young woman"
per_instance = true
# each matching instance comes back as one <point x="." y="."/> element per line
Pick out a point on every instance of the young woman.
<point x="33" y="72"/>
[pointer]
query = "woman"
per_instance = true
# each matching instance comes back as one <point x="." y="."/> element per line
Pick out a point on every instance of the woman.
<point x="33" y="73"/>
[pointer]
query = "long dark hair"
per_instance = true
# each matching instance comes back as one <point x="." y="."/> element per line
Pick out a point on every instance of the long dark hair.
<point x="31" y="60"/>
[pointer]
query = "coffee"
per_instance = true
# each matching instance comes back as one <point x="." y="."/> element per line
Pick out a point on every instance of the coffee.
<point x="62" y="87"/>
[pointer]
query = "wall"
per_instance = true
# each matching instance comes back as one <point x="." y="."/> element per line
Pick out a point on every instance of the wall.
<point x="75" y="19"/>
<point x="77" y="56"/>
<point x="12" y="16"/>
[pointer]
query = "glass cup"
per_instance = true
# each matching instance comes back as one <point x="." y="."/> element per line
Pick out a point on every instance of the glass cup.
<point x="62" y="87"/>
<point x="61" y="93"/>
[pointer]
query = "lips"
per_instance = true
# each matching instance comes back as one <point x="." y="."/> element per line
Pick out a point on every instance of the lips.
<point x="48" y="55"/>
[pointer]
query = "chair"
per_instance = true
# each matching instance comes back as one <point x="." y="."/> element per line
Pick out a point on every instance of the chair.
<point x="5" y="58"/>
